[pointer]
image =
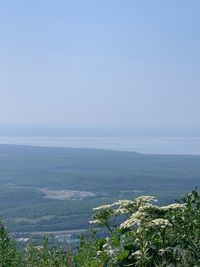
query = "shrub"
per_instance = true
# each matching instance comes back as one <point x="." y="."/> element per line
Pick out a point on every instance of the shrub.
<point x="150" y="235"/>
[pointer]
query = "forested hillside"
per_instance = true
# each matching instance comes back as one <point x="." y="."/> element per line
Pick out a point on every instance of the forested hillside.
<point x="76" y="180"/>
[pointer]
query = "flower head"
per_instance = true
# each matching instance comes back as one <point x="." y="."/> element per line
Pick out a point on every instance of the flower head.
<point x="175" y="206"/>
<point x="135" y="220"/>
<point x="162" y="223"/>
<point x="103" y="207"/>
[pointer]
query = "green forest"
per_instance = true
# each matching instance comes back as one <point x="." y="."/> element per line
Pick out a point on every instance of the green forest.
<point x="109" y="175"/>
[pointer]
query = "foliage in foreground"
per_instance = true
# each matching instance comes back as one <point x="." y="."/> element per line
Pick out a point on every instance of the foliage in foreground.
<point x="138" y="233"/>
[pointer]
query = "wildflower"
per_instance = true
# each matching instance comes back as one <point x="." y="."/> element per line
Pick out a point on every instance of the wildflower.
<point x="99" y="252"/>
<point x="97" y="221"/>
<point x="143" y="200"/>
<point x="103" y="207"/>
<point x="121" y="211"/>
<point x="105" y="246"/>
<point x="148" y="207"/>
<point x="125" y="207"/>
<point x="137" y="254"/>
<point x="162" y="223"/>
<point x="161" y="251"/>
<point x="175" y="206"/>
<point x="124" y="203"/>
<point x="135" y="220"/>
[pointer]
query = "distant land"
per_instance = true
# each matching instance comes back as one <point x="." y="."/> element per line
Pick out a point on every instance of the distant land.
<point x="145" y="145"/>
<point x="55" y="189"/>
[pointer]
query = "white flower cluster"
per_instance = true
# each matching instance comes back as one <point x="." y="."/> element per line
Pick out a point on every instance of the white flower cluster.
<point x="110" y="250"/>
<point x="175" y="206"/>
<point x="139" y="211"/>
<point x="96" y="221"/>
<point x="135" y="220"/>
<point x="121" y="211"/>
<point x="103" y="207"/>
<point x="148" y="207"/>
<point x="162" y="223"/>
<point x="137" y="254"/>
<point x="145" y="199"/>
<point x="124" y="203"/>
<point x="124" y="207"/>
<point x="102" y="214"/>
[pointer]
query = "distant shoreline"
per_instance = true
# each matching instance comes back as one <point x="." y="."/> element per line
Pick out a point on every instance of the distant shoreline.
<point x="95" y="150"/>
<point x="142" y="145"/>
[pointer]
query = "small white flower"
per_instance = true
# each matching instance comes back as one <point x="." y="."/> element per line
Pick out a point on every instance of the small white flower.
<point x="95" y="221"/>
<point x="99" y="252"/>
<point x="149" y="207"/>
<point x="145" y="199"/>
<point x="103" y="207"/>
<point x="175" y="206"/>
<point x="135" y="220"/>
<point x="137" y="254"/>
<point x="163" y="223"/>
<point x="124" y="202"/>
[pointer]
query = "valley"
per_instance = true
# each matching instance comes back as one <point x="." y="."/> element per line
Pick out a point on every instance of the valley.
<point x="44" y="189"/>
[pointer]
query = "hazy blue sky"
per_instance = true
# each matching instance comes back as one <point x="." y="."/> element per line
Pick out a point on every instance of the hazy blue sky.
<point x="130" y="66"/>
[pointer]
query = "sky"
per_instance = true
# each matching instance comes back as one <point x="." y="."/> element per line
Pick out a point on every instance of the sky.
<point x="104" y="67"/>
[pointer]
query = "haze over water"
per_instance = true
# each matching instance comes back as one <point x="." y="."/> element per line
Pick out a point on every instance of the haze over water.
<point x="98" y="68"/>
<point x="146" y="145"/>
<point x="101" y="65"/>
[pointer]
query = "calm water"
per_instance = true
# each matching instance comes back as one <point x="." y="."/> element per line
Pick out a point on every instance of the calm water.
<point x="152" y="145"/>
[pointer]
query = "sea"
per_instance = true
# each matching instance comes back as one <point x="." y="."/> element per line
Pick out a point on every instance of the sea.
<point x="144" y="145"/>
